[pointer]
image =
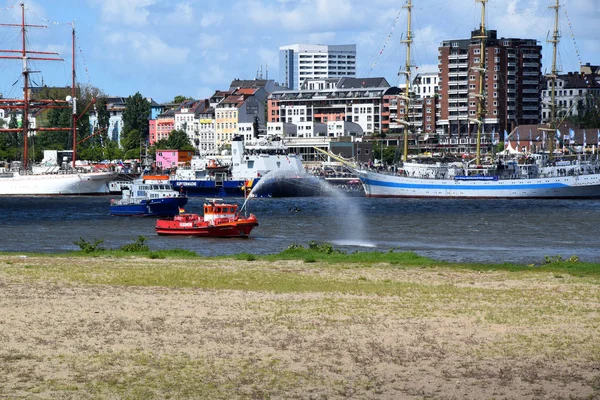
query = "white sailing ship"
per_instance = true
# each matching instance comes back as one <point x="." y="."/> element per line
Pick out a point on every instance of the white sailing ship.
<point x="54" y="179"/>
<point x="534" y="176"/>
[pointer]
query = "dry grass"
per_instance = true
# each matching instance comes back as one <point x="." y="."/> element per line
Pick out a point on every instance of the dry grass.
<point x="138" y="328"/>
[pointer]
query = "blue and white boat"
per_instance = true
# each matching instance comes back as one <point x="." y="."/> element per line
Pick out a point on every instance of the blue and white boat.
<point x="545" y="174"/>
<point x="144" y="199"/>
<point x="539" y="178"/>
<point x="267" y="160"/>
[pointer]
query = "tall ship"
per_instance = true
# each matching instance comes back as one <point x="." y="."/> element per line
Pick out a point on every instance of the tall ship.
<point x="545" y="174"/>
<point x="48" y="178"/>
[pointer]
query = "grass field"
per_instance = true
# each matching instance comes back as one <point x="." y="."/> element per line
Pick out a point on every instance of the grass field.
<point x="306" y="323"/>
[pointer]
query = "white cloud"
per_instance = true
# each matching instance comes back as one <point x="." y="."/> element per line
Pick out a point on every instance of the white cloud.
<point x="182" y="14"/>
<point x="129" y="12"/>
<point x="210" y="19"/>
<point x="148" y="49"/>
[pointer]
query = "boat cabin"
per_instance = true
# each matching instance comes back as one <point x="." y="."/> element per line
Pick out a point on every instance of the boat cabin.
<point x="215" y="210"/>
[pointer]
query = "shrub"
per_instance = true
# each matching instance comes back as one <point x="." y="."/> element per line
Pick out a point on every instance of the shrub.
<point x="89" y="247"/>
<point x="138" y="246"/>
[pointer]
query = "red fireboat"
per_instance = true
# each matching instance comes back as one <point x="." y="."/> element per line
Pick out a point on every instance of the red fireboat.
<point x="219" y="220"/>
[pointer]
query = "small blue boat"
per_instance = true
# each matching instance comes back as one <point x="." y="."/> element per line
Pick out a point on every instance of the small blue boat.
<point x="148" y="200"/>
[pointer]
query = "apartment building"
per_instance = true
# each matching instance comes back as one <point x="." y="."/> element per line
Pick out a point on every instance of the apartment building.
<point x="574" y="93"/>
<point x="511" y="84"/>
<point x="161" y="127"/>
<point x="357" y="100"/>
<point x="299" y="62"/>
<point x="238" y="113"/>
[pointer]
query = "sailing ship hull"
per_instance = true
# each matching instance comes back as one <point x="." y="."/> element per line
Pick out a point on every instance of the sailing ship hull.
<point x="93" y="183"/>
<point x="567" y="187"/>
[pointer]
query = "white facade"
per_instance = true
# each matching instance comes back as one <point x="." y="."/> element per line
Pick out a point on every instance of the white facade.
<point x="569" y="96"/>
<point x="298" y="62"/>
<point x="207" y="136"/>
<point x="426" y="84"/>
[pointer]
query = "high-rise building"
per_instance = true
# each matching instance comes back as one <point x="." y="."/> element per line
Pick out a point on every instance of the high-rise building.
<point x="299" y="62"/>
<point x="511" y="90"/>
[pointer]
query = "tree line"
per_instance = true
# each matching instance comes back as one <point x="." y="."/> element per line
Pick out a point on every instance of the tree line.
<point x="93" y="143"/>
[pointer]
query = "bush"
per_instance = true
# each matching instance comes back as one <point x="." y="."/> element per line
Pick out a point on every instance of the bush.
<point x="89" y="247"/>
<point x="138" y="246"/>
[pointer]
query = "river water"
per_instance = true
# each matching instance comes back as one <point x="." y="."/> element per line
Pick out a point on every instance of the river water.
<point x="488" y="231"/>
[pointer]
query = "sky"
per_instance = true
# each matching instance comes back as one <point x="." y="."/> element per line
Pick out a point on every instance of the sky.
<point x="167" y="48"/>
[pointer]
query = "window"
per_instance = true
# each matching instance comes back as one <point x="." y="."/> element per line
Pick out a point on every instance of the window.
<point x="476" y="51"/>
<point x="495" y="94"/>
<point x="471" y="77"/>
<point x="497" y="50"/>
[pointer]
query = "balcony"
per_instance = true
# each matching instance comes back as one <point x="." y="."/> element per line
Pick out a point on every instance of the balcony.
<point x="530" y="91"/>
<point x="531" y="73"/>
<point x="530" y="108"/>
<point x="531" y="65"/>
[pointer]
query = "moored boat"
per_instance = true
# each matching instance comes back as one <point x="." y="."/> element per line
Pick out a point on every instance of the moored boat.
<point x="219" y="220"/>
<point x="146" y="199"/>
<point x="543" y="174"/>
<point x="53" y="176"/>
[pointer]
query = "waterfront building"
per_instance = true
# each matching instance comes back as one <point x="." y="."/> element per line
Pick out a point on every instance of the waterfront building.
<point x="299" y="62"/>
<point x="426" y="84"/>
<point x="575" y="93"/>
<point x="512" y="85"/>
<point x="240" y="112"/>
<point x="169" y="159"/>
<point x="161" y="127"/>
<point x="357" y="100"/>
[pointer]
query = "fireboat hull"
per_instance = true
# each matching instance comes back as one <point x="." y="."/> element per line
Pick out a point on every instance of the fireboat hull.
<point x="200" y="228"/>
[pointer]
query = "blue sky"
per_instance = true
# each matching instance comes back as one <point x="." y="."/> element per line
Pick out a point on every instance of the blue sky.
<point x="193" y="47"/>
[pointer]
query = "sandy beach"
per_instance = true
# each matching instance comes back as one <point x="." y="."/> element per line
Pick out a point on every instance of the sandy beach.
<point x="87" y="328"/>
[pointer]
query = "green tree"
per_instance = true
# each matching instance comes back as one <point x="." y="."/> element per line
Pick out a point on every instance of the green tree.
<point x="132" y="141"/>
<point x="588" y="112"/>
<point x="135" y="122"/>
<point x="179" y="140"/>
<point x="180" y="99"/>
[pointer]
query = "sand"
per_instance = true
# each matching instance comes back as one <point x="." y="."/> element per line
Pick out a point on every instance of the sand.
<point x="444" y="334"/>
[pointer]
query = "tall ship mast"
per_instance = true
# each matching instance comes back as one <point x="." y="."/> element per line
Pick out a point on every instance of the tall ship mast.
<point x="47" y="179"/>
<point x="555" y="39"/>
<point x="508" y="177"/>
<point x="25" y="104"/>
<point x="481" y="104"/>
<point x="407" y="73"/>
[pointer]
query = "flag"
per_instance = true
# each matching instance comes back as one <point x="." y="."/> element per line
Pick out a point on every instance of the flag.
<point x="530" y="141"/>
<point x="557" y="134"/>
<point x="543" y="140"/>
<point x="494" y="140"/>
<point x="584" y="141"/>
<point x="598" y="140"/>
<point x="518" y="141"/>
<point x="181" y="210"/>
<point x="571" y="134"/>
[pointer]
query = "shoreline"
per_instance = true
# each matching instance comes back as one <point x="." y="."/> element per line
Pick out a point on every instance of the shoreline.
<point x="97" y="327"/>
